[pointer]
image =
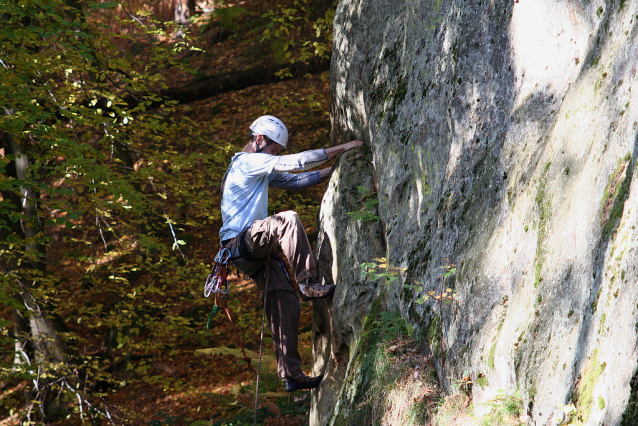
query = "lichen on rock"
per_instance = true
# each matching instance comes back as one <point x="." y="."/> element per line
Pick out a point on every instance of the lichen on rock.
<point x="505" y="143"/>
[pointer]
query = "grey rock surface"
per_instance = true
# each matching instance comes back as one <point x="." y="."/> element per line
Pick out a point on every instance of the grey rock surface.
<point x="339" y="321"/>
<point x="503" y="139"/>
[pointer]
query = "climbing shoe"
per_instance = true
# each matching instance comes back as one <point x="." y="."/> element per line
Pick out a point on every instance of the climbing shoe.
<point x="310" y="289"/>
<point x="302" y="382"/>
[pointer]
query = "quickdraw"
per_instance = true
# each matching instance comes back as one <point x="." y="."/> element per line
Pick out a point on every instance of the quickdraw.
<point x="217" y="281"/>
<point x="217" y="284"/>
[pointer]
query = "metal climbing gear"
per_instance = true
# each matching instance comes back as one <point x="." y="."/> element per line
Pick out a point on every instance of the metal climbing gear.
<point x="217" y="281"/>
<point x="217" y="284"/>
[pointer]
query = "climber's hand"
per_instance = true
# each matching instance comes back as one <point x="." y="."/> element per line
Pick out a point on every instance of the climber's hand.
<point x="333" y="151"/>
<point x="352" y="145"/>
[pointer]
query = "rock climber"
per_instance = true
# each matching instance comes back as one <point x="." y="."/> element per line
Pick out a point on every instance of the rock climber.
<point x="258" y="241"/>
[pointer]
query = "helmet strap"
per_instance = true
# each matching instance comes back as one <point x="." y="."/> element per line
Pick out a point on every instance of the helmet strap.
<point x="270" y="142"/>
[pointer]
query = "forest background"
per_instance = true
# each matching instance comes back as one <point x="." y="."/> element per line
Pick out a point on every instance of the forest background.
<point x="118" y="121"/>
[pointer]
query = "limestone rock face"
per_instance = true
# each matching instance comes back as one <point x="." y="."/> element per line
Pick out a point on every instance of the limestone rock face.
<point x="502" y="138"/>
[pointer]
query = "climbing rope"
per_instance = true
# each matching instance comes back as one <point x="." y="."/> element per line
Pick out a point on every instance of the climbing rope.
<point x="261" y="343"/>
<point x="285" y="265"/>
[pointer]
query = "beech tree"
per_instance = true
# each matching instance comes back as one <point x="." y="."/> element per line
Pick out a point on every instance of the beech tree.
<point x="102" y="184"/>
<point x="72" y="170"/>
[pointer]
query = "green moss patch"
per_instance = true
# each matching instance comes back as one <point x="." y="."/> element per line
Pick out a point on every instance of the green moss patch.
<point x="544" y="205"/>
<point x="505" y="410"/>
<point x="583" y="397"/>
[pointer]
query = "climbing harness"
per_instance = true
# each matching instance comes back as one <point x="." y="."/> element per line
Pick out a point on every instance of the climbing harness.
<point x="217" y="284"/>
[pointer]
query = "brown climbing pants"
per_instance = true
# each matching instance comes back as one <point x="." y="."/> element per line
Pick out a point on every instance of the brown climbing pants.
<point x="282" y="312"/>
<point x="282" y="233"/>
<point x="285" y="234"/>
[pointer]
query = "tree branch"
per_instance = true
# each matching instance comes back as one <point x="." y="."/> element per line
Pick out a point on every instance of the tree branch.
<point x="208" y="87"/>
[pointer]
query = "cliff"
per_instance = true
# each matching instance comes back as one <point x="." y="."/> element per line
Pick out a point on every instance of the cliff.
<point x="501" y="139"/>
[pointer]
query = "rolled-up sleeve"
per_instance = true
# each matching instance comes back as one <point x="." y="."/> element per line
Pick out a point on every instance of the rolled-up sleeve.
<point x="294" y="182"/>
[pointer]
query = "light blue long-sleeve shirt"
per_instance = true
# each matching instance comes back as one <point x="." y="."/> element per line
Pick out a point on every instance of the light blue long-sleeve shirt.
<point x="245" y="191"/>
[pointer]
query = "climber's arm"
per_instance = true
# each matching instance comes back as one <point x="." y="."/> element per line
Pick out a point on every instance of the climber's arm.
<point x="323" y="173"/>
<point x="294" y="182"/>
<point x="333" y="151"/>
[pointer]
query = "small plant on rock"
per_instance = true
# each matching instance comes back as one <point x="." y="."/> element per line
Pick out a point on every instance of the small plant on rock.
<point x="368" y="210"/>
<point x="381" y="269"/>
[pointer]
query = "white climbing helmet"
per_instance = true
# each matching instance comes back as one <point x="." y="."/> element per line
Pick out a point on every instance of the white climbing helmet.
<point x="272" y="127"/>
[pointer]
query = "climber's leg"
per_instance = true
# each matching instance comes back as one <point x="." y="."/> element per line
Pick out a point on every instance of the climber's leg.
<point x="283" y="232"/>
<point x="282" y="311"/>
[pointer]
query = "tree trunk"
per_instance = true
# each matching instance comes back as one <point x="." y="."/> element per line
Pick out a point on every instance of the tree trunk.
<point x="184" y="9"/>
<point x="38" y="345"/>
